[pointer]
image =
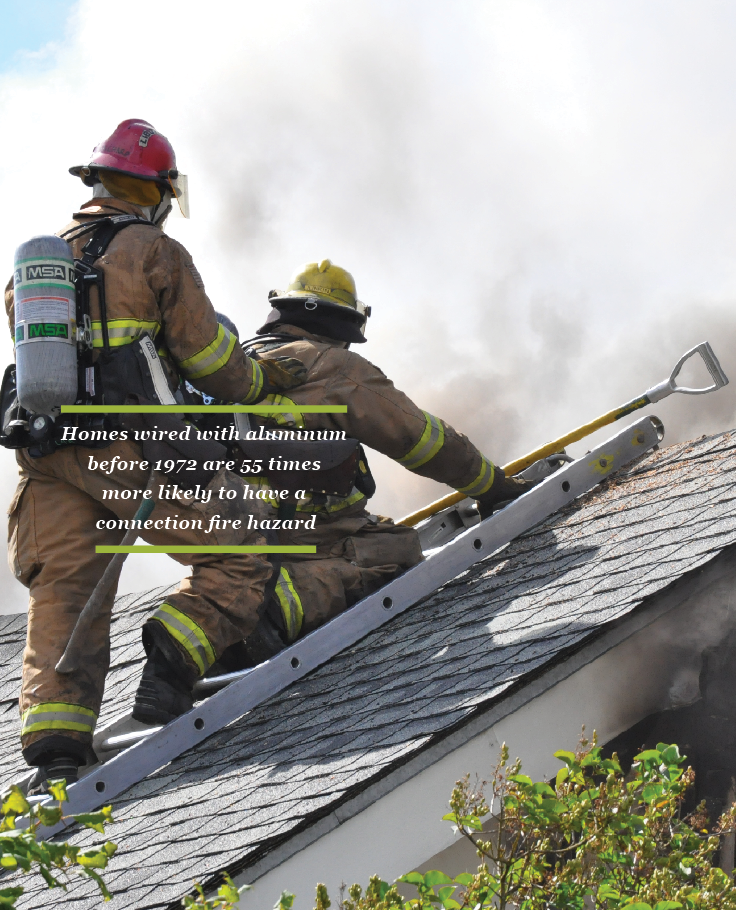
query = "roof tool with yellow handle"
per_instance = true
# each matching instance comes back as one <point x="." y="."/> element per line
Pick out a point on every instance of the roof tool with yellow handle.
<point x="656" y="393"/>
<point x="75" y="648"/>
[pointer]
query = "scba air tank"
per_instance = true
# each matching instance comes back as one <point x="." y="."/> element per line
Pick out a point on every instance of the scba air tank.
<point x="45" y="324"/>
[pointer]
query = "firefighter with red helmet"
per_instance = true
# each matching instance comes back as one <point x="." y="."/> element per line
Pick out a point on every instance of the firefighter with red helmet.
<point x="63" y="508"/>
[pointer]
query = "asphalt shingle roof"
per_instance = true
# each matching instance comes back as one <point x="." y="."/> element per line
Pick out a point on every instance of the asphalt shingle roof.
<point x="297" y="757"/>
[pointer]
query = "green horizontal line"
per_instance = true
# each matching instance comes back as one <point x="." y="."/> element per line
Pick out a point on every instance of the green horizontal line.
<point x="147" y="549"/>
<point x="203" y="409"/>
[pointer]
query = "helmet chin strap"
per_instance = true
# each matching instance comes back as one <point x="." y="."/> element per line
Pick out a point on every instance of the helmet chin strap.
<point x="157" y="214"/>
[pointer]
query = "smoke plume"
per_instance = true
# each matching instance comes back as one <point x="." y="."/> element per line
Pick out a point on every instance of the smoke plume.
<point x="535" y="199"/>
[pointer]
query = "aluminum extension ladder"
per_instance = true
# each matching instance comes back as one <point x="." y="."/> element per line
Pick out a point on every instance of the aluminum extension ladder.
<point x="130" y="755"/>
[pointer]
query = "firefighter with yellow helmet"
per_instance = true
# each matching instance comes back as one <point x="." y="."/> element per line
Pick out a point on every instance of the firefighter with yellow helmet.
<point x="316" y="320"/>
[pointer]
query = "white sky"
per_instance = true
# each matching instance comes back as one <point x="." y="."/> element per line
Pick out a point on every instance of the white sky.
<point x="536" y="198"/>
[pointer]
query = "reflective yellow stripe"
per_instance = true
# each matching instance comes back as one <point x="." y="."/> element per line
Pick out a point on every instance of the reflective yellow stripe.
<point x="291" y="605"/>
<point x="52" y="715"/>
<point x="289" y="419"/>
<point x="211" y="358"/>
<point x="430" y="442"/>
<point x="123" y="331"/>
<point x="483" y="482"/>
<point x="188" y="634"/>
<point x="256" y="384"/>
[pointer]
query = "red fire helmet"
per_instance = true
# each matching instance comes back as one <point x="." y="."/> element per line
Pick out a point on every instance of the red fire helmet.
<point x="134" y="148"/>
<point x="137" y="149"/>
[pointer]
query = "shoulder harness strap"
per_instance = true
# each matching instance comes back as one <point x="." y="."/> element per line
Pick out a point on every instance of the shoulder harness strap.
<point x="103" y="231"/>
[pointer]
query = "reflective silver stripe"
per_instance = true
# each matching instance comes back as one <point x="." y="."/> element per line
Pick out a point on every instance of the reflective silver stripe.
<point x="186" y="636"/>
<point x="41" y="717"/>
<point x="429" y="444"/>
<point x="65" y="717"/>
<point x="483" y="482"/>
<point x="210" y="359"/>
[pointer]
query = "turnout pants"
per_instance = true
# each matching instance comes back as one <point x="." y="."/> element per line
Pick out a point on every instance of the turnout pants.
<point x="356" y="554"/>
<point x="53" y="532"/>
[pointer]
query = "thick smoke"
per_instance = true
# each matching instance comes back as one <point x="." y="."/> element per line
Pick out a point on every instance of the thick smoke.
<point x="536" y="199"/>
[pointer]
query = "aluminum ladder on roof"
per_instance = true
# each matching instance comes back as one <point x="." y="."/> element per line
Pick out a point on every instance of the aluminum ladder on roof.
<point x="241" y="692"/>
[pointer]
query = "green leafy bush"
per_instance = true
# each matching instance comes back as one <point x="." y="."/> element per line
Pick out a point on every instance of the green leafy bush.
<point x="20" y="848"/>
<point x="598" y="838"/>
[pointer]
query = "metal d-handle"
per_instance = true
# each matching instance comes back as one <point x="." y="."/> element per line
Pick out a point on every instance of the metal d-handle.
<point x="663" y="389"/>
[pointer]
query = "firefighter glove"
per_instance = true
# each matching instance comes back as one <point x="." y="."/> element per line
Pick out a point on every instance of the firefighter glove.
<point x="503" y="490"/>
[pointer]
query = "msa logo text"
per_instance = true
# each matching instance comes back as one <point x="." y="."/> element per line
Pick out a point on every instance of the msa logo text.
<point x="34" y="272"/>
<point x="48" y="330"/>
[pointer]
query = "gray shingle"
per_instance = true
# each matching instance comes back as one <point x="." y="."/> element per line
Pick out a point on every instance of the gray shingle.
<point x="300" y="754"/>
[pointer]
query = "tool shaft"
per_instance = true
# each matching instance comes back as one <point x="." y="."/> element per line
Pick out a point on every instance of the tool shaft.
<point x="74" y="651"/>
<point x="549" y="448"/>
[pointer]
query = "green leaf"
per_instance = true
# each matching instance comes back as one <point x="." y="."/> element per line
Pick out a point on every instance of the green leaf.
<point x="667" y="905"/>
<point x="543" y="789"/>
<point x="100" y="884"/>
<point x="10" y="894"/>
<point x="57" y="788"/>
<point x="285" y="902"/>
<point x="651" y="792"/>
<point x="93" y="859"/>
<point x="96" y="820"/>
<point x="15" y="803"/>
<point x="434" y="877"/>
<point x="49" y="817"/>
<point x="567" y="757"/>
<point x="648" y="755"/>
<point x="412" y="878"/>
<point x="8" y="861"/>
<point x="521" y="779"/>
<point x="670" y="754"/>
<point x="109" y="847"/>
<point x="445" y="893"/>
<point x="562" y="776"/>
<point x="465" y="878"/>
<point x="636" y="905"/>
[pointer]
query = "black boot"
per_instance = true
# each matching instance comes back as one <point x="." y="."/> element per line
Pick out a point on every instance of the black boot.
<point x="163" y="693"/>
<point x="56" y="767"/>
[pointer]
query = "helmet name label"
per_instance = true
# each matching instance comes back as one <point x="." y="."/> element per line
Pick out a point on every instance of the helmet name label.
<point x="145" y="136"/>
<point x="115" y="150"/>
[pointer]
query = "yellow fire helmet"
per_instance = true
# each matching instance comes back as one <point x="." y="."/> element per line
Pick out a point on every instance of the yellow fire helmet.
<point x="321" y="298"/>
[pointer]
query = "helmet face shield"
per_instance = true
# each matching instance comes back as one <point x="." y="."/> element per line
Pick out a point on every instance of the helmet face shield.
<point x="365" y="312"/>
<point x="180" y="190"/>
